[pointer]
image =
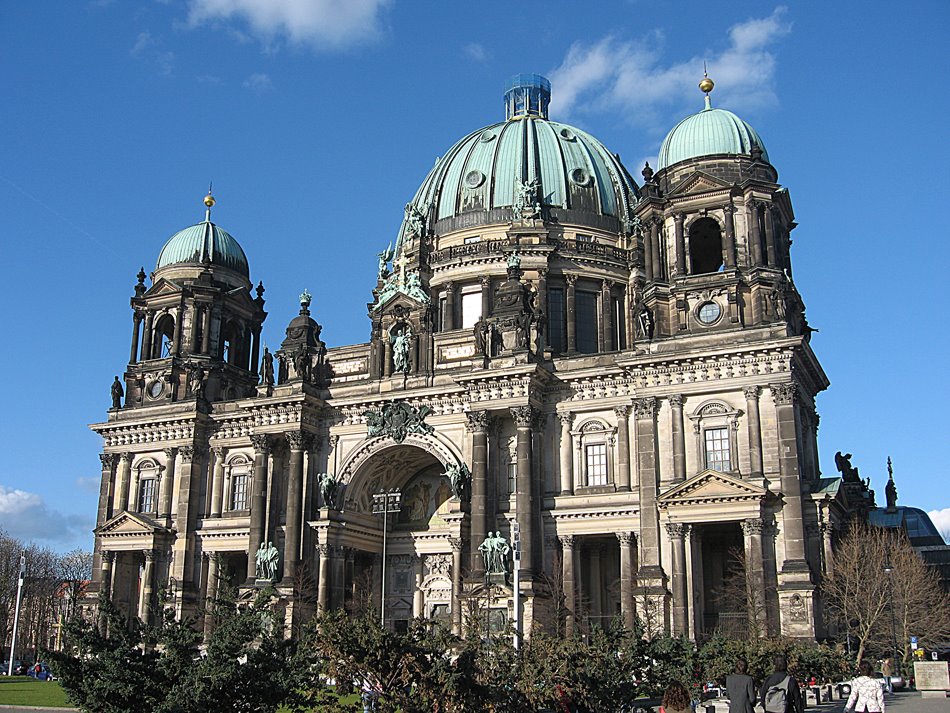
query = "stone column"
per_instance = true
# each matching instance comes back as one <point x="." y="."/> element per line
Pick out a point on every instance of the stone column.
<point x="568" y="581"/>
<point x="524" y="497"/>
<point x="147" y="336"/>
<point x="417" y="599"/>
<point x="167" y="484"/>
<point x="211" y="595"/>
<point x="648" y="243"/>
<point x="387" y="356"/>
<point x="217" y="481"/>
<point x="206" y="329"/>
<point x="186" y="515"/>
<point x="298" y="441"/>
<point x="176" y="335"/>
<point x="122" y="482"/>
<point x="567" y="454"/>
<point x="678" y="533"/>
<point x="730" y="238"/>
<point x="134" y="491"/>
<point x="755" y="430"/>
<point x="323" y="586"/>
<point x="478" y="427"/>
<point x="679" y="438"/>
<point x="256" y="350"/>
<point x="148" y="584"/>
<point x="645" y="409"/>
<point x="596" y="582"/>
<point x="106" y="485"/>
<point x="655" y="226"/>
<point x="610" y="342"/>
<point x="752" y="530"/>
<point x="136" y="324"/>
<point x="784" y="396"/>
<point x="623" y="447"/>
<point x="486" y="296"/>
<point x="570" y="308"/>
<point x="680" y="243"/>
<point x="755" y="240"/>
<point x="108" y="559"/>
<point x="448" y="319"/>
<point x="456" y="544"/>
<point x="627" y="576"/>
<point x="261" y="443"/>
<point x="769" y="235"/>
<point x="827" y="530"/>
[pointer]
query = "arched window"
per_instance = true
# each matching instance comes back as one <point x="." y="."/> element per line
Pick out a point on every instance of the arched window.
<point x="595" y="440"/>
<point x="164" y="341"/>
<point x="147" y="476"/>
<point x="231" y="348"/>
<point x="715" y="425"/>
<point x="705" y="246"/>
<point x="239" y="479"/>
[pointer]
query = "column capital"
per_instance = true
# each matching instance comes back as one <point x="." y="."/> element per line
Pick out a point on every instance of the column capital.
<point x="127" y="457"/>
<point x="751" y="393"/>
<point x="149" y="555"/>
<point x="827" y="528"/>
<point x="567" y="541"/>
<point x="261" y="443"/>
<point x="570" y="279"/>
<point x="566" y="418"/>
<point x="542" y="273"/>
<point x="108" y="556"/>
<point x="324" y="550"/>
<point x="219" y="451"/>
<point x="622" y="411"/>
<point x="645" y="407"/>
<point x="477" y="421"/>
<point x="753" y="526"/>
<point x="108" y="460"/>
<point x="523" y="415"/>
<point x="170" y="452"/>
<point x="485" y="281"/>
<point x="189" y="453"/>
<point x="784" y="394"/>
<point x="448" y="286"/>
<point x="677" y="530"/>
<point x="679" y="217"/>
<point x="675" y="400"/>
<point x="626" y="538"/>
<point x="297" y="440"/>
<point x="455" y="543"/>
<point x="728" y="208"/>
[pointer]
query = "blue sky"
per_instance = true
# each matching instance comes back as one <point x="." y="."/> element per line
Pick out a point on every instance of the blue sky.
<point x="318" y="119"/>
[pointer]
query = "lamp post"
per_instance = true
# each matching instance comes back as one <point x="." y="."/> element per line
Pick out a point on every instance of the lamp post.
<point x="16" y="615"/>
<point x="385" y="503"/>
<point x="516" y="566"/>
<point x="888" y="570"/>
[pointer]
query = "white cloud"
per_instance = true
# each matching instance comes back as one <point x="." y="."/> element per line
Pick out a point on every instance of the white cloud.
<point x="476" y="51"/>
<point x="27" y="517"/>
<point x="142" y="43"/>
<point x="941" y="519"/>
<point x="147" y="48"/>
<point x="258" y="82"/>
<point x="323" y="24"/>
<point x="627" y="76"/>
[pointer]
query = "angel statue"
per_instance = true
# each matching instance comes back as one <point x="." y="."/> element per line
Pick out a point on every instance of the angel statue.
<point x="385" y="256"/>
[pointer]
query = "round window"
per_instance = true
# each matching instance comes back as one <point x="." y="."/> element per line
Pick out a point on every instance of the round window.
<point x="155" y="389"/>
<point x="709" y="312"/>
<point x="473" y="179"/>
<point x="567" y="134"/>
<point x="487" y="135"/>
<point x="580" y="177"/>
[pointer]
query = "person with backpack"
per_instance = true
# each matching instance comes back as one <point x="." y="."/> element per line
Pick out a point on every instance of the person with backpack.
<point x="740" y="689"/>
<point x="866" y="692"/>
<point x="780" y="692"/>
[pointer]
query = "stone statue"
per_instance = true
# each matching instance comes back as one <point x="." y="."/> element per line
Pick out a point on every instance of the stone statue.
<point x="480" y="331"/>
<point x="415" y="221"/>
<point x="267" y="368"/>
<point x="514" y="261"/>
<point x="266" y="562"/>
<point x="461" y="478"/>
<point x="644" y="323"/>
<point x="890" y="490"/>
<point x="848" y="472"/>
<point x="382" y="272"/>
<point x="196" y="382"/>
<point x="117" y="393"/>
<point x="526" y="205"/>
<point x="401" y="343"/>
<point x="329" y="486"/>
<point x="495" y="553"/>
<point x="302" y="363"/>
<point x="413" y="288"/>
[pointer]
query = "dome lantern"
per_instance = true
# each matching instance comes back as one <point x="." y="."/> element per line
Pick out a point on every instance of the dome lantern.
<point x="527" y="95"/>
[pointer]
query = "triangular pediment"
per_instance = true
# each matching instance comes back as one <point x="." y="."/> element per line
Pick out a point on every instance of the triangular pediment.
<point x="712" y="486"/>
<point x="163" y="287"/>
<point x="131" y="524"/>
<point x="699" y="182"/>
<point x="392" y="301"/>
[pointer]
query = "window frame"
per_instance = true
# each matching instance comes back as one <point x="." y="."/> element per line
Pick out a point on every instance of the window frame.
<point x="713" y="415"/>
<point x="594" y="431"/>
<point x="238" y="467"/>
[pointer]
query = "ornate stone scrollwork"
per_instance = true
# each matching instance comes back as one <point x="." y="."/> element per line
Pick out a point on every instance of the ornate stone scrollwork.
<point x="567" y="541"/>
<point x="677" y="529"/>
<point x="567" y="418"/>
<point x="645" y="407"/>
<point x="751" y="393"/>
<point x="784" y="394"/>
<point x="188" y="454"/>
<point x="324" y="550"/>
<point x="127" y="457"/>
<point x="477" y="420"/>
<point x="108" y="556"/>
<point x="297" y="440"/>
<point x="149" y="555"/>
<point x="626" y="539"/>
<point x="261" y="443"/>
<point x="622" y="411"/>
<point x="523" y="415"/>
<point x="219" y="452"/>
<point x="675" y="399"/>
<point x="753" y="526"/>
<point x="397" y="419"/>
<point x="456" y="544"/>
<point x="108" y="460"/>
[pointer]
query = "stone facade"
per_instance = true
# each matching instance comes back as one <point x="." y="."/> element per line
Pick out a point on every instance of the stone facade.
<point x="637" y="394"/>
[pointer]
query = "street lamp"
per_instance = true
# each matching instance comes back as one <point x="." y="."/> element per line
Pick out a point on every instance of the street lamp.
<point x="516" y="566"/>
<point x="385" y="503"/>
<point x="888" y="569"/>
<point x="16" y="616"/>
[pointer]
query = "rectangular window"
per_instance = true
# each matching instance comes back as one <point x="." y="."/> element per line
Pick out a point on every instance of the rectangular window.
<point x="556" y="320"/>
<point x="443" y="317"/>
<point x="147" y="495"/>
<point x="472" y="239"/>
<point x="471" y="308"/>
<point x="584" y="238"/>
<point x="239" y="492"/>
<point x="620" y="324"/>
<point x="717" y="449"/>
<point x="596" y="457"/>
<point x="585" y="305"/>
<point x="512" y="477"/>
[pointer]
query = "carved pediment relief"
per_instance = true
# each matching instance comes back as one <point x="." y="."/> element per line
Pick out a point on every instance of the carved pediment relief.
<point x="699" y="182"/>
<point x="130" y="525"/>
<point x="711" y="486"/>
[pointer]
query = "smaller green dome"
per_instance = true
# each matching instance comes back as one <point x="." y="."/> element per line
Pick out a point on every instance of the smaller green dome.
<point x="203" y="244"/>
<point x="708" y="133"/>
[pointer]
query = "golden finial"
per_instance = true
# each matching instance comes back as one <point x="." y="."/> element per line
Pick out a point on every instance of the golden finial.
<point x="209" y="199"/>
<point x="706" y="85"/>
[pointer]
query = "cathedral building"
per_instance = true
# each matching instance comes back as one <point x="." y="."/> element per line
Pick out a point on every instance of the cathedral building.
<point x="613" y="374"/>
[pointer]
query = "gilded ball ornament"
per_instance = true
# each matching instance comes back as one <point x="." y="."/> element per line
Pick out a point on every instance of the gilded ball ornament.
<point x="209" y="200"/>
<point x="706" y="85"/>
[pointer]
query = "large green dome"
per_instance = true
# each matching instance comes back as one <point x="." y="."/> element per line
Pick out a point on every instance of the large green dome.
<point x="479" y="179"/>
<point x="203" y="244"/>
<point x="710" y="132"/>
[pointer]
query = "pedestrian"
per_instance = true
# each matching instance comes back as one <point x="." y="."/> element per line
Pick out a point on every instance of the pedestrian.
<point x="779" y="692"/>
<point x="887" y="668"/>
<point x="740" y="689"/>
<point x="676" y="699"/>
<point x="866" y="692"/>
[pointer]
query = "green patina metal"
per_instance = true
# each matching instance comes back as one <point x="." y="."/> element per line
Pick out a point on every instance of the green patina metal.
<point x="203" y="244"/>
<point x="709" y="132"/>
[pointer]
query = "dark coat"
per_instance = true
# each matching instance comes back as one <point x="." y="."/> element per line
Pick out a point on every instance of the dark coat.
<point x="795" y="703"/>
<point x="740" y="690"/>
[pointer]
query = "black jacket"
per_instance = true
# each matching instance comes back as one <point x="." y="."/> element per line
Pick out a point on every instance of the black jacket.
<point x="795" y="702"/>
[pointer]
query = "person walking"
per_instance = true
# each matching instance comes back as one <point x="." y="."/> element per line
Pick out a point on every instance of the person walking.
<point x="676" y="699"/>
<point x="779" y="692"/>
<point x="740" y="689"/>
<point x="866" y="692"/>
